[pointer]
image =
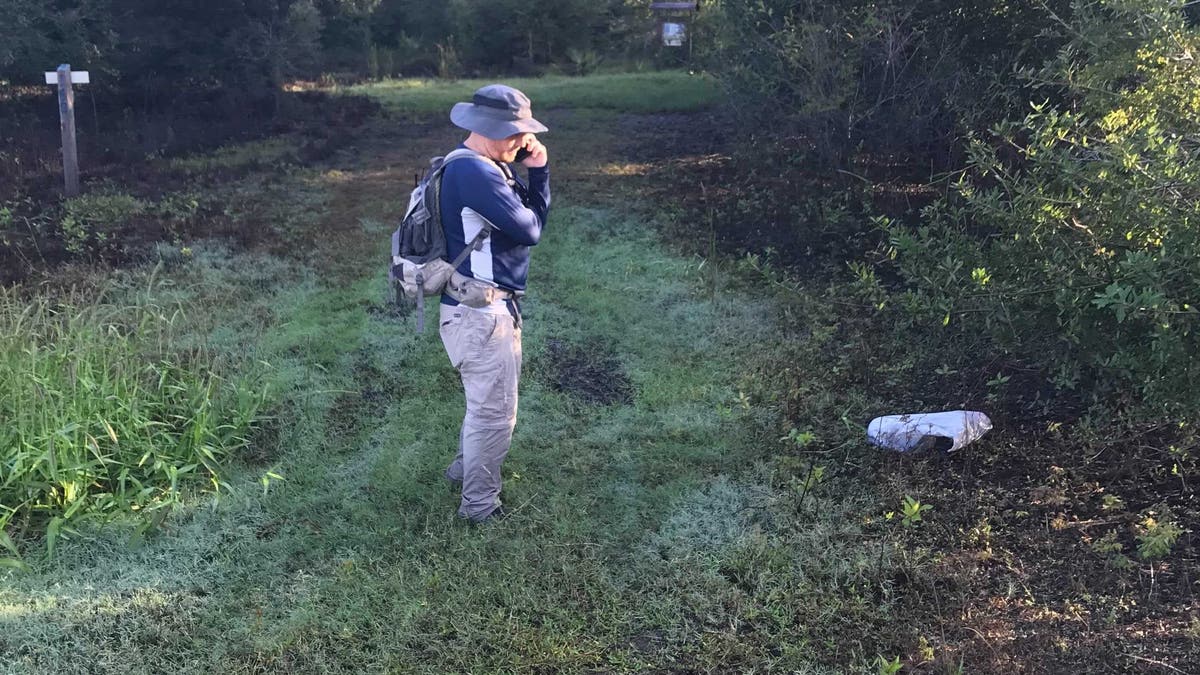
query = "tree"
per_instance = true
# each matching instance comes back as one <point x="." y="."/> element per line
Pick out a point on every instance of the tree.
<point x="35" y="37"/>
<point x="1071" y="240"/>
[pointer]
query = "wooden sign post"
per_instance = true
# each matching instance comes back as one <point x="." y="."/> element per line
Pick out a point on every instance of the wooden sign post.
<point x="64" y="78"/>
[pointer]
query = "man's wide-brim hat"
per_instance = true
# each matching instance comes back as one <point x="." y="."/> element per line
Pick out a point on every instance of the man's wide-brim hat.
<point x="497" y="111"/>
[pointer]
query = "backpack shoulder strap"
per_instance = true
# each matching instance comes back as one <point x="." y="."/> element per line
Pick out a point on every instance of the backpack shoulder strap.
<point x="435" y="179"/>
<point x="505" y="173"/>
<point x="461" y="153"/>
<point x="466" y="153"/>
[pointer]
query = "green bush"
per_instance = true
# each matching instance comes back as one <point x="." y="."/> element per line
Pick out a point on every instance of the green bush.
<point x="1071" y="239"/>
<point x="99" y="415"/>
<point x="104" y="223"/>
<point x="1156" y="537"/>
<point x="890" y="79"/>
<point x="95" y="221"/>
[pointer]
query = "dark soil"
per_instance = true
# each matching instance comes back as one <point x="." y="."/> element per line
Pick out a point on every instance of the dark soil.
<point x="751" y="196"/>
<point x="1029" y="561"/>
<point x="590" y="373"/>
<point x="264" y="445"/>
<point x="1020" y="580"/>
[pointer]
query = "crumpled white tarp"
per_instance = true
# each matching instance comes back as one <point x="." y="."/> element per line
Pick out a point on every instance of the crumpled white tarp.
<point x="906" y="432"/>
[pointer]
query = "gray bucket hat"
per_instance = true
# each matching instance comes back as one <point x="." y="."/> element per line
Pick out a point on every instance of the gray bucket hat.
<point x="497" y="111"/>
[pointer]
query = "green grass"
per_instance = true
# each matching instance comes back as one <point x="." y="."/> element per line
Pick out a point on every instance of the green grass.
<point x="664" y="91"/>
<point x="655" y="533"/>
<point x="646" y="534"/>
<point x="101" y="413"/>
<point x="264" y="153"/>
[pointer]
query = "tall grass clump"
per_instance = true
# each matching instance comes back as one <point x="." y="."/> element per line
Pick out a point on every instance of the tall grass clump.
<point x="100" y="414"/>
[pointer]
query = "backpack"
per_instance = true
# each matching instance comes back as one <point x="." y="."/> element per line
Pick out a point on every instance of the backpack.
<point x="419" y="264"/>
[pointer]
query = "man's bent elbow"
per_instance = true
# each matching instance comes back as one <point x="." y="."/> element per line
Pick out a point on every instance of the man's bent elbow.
<point x="534" y="238"/>
<point x="530" y="237"/>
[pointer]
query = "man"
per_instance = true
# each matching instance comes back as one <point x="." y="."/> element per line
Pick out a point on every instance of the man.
<point x="480" y="315"/>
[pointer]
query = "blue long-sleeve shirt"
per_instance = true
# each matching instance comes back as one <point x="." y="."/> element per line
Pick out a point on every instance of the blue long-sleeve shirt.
<point x="474" y="190"/>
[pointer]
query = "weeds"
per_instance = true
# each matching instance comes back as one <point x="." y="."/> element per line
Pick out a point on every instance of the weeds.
<point x="884" y="666"/>
<point x="91" y="220"/>
<point x="911" y="511"/>
<point x="99" y="414"/>
<point x="1156" y="537"/>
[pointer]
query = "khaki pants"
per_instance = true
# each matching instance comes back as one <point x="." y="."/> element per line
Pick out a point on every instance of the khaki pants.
<point x="485" y="348"/>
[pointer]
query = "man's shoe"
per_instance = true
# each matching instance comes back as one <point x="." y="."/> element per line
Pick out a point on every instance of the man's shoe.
<point x="495" y="516"/>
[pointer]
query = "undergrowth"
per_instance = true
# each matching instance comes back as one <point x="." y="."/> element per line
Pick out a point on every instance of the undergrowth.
<point x="101" y="412"/>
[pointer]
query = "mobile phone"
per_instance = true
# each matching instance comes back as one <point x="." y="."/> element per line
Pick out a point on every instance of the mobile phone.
<point x="522" y="154"/>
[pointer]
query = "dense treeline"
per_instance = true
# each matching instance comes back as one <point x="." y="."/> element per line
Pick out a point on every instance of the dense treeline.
<point x="1062" y="138"/>
<point x="148" y="46"/>
<point x="886" y="76"/>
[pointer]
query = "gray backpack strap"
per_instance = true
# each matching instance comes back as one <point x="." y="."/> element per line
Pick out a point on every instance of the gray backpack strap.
<point x="477" y="242"/>
<point x="420" y="301"/>
<point x="461" y="153"/>
<point x="474" y="245"/>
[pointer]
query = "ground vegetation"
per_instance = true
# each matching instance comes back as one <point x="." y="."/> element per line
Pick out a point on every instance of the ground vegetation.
<point x="872" y="209"/>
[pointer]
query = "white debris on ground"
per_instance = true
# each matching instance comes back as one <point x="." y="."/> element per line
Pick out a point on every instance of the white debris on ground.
<point x="949" y="431"/>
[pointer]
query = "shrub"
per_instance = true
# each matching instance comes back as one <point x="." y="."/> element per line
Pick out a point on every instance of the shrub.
<point x="94" y="221"/>
<point x="449" y="65"/>
<point x="792" y="66"/>
<point x="1071" y="239"/>
<point x="1157" y="537"/>
<point x="583" y="61"/>
<point x="887" y="78"/>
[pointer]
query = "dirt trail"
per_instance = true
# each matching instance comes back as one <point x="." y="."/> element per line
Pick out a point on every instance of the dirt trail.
<point x="376" y="189"/>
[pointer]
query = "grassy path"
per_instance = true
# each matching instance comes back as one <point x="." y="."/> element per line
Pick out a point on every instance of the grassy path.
<point x="642" y="536"/>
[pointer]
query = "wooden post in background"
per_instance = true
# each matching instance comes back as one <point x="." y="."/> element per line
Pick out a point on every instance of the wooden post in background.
<point x="66" y="117"/>
<point x="64" y="78"/>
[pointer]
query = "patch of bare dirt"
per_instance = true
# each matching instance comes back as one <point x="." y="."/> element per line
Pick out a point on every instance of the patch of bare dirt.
<point x="589" y="372"/>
